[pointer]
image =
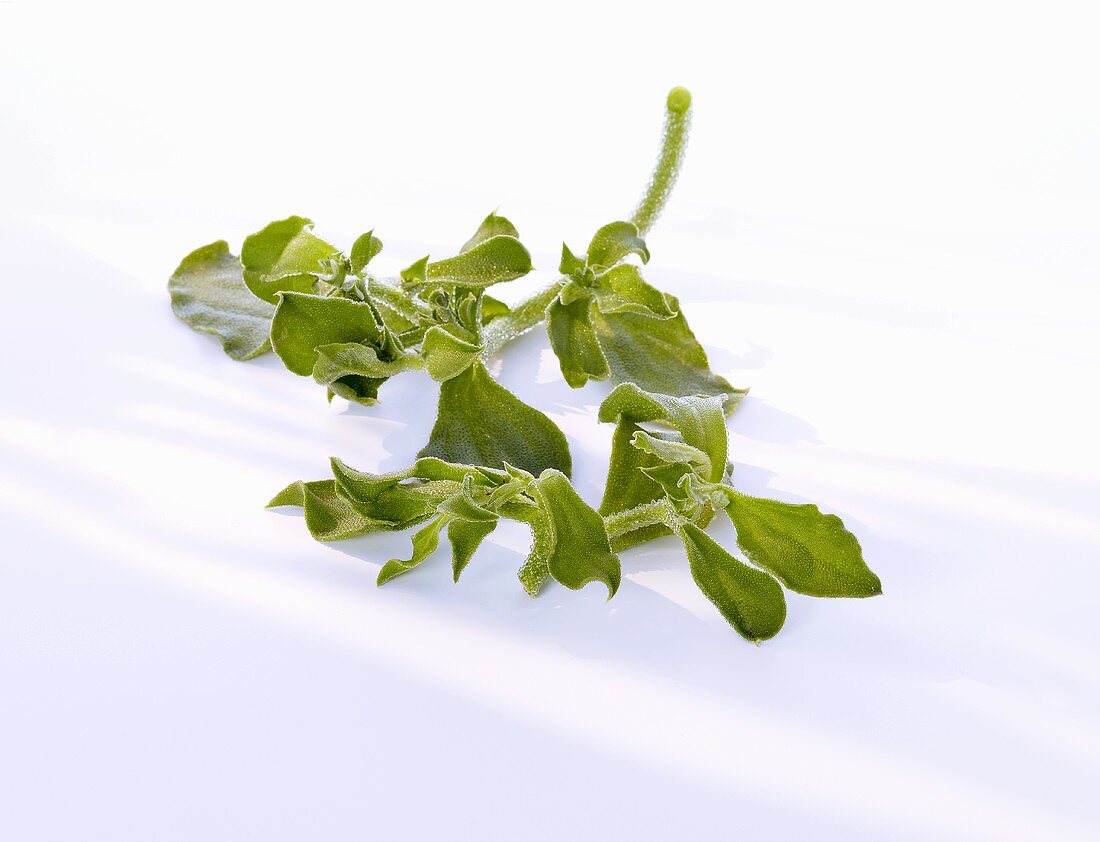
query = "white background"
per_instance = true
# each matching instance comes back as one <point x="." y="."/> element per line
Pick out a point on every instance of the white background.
<point x="888" y="227"/>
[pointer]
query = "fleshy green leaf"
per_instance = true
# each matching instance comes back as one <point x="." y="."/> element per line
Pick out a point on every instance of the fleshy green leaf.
<point x="491" y="309"/>
<point x="659" y="355"/>
<point x="364" y="250"/>
<point x="623" y="290"/>
<point x="396" y="307"/>
<point x="809" y="552"/>
<point x="482" y="423"/>
<point x="574" y="342"/>
<point x="302" y="323"/>
<point x="672" y="452"/>
<point x="697" y="418"/>
<point x="493" y="225"/>
<point x="284" y="256"/>
<point x="492" y="261"/>
<point x="293" y="495"/>
<point x="329" y="515"/>
<point x="431" y="468"/>
<point x="362" y="486"/>
<point x="343" y="358"/>
<point x="445" y="355"/>
<point x="354" y="372"/>
<point x="424" y="542"/>
<point x="463" y="506"/>
<point x="749" y="599"/>
<point x="465" y="537"/>
<point x="208" y="292"/>
<point x="536" y="568"/>
<point x="417" y="273"/>
<point x="581" y="550"/>
<point x="627" y="486"/>
<point x="614" y="242"/>
<point x="575" y="291"/>
<point x="570" y="264"/>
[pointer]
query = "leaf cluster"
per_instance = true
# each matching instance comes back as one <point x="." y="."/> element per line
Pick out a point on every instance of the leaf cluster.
<point x="327" y="314"/>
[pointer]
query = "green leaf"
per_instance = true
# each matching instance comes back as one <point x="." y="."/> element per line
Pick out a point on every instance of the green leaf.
<point x="445" y="355"/>
<point x="659" y="355"/>
<point x="581" y="550"/>
<point x="697" y="418"/>
<point x="397" y="308"/>
<point x="302" y="323"/>
<point x="570" y="265"/>
<point x="341" y="358"/>
<point x="749" y="599"/>
<point x="354" y="372"/>
<point x="329" y="515"/>
<point x="293" y="495"/>
<point x="284" y="256"/>
<point x="623" y="290"/>
<point x="208" y="292"/>
<point x="491" y="309"/>
<point x="431" y="468"/>
<point x="363" y="251"/>
<point x="575" y="291"/>
<point x="809" y="552"/>
<point x="463" y="506"/>
<point x="364" y="487"/>
<point x="536" y="568"/>
<point x="493" y="225"/>
<point x="417" y="273"/>
<point x="613" y="243"/>
<point x="627" y="486"/>
<point x="574" y="342"/>
<point x="492" y="261"/>
<point x="424" y="542"/>
<point x="465" y="537"/>
<point x="672" y="452"/>
<point x="482" y="423"/>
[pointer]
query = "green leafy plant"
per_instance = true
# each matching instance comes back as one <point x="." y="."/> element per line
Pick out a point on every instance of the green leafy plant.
<point x="328" y="316"/>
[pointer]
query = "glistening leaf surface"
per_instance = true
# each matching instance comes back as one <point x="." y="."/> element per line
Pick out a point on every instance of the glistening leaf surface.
<point x="809" y="552"/>
<point x="482" y="423"/>
<point x="494" y="225"/>
<point x="304" y="322"/>
<point x="446" y="355"/>
<point x="627" y="486"/>
<point x="465" y="537"/>
<point x="569" y="328"/>
<point x="424" y="542"/>
<point x="492" y="261"/>
<point x="624" y="290"/>
<point x="329" y="515"/>
<point x="613" y="242"/>
<point x="659" y="355"/>
<point x="364" y="250"/>
<point x="208" y="292"/>
<point x="749" y="599"/>
<point x="284" y="256"/>
<point x="581" y="551"/>
<point x="698" y="419"/>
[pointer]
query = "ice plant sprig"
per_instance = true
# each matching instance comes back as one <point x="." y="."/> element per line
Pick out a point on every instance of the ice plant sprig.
<point x="668" y="481"/>
<point x="329" y="316"/>
<point x="569" y="541"/>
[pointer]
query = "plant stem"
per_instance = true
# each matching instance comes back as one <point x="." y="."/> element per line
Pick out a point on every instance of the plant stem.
<point x="524" y="316"/>
<point x="531" y="311"/>
<point x="647" y="514"/>
<point x="665" y="172"/>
